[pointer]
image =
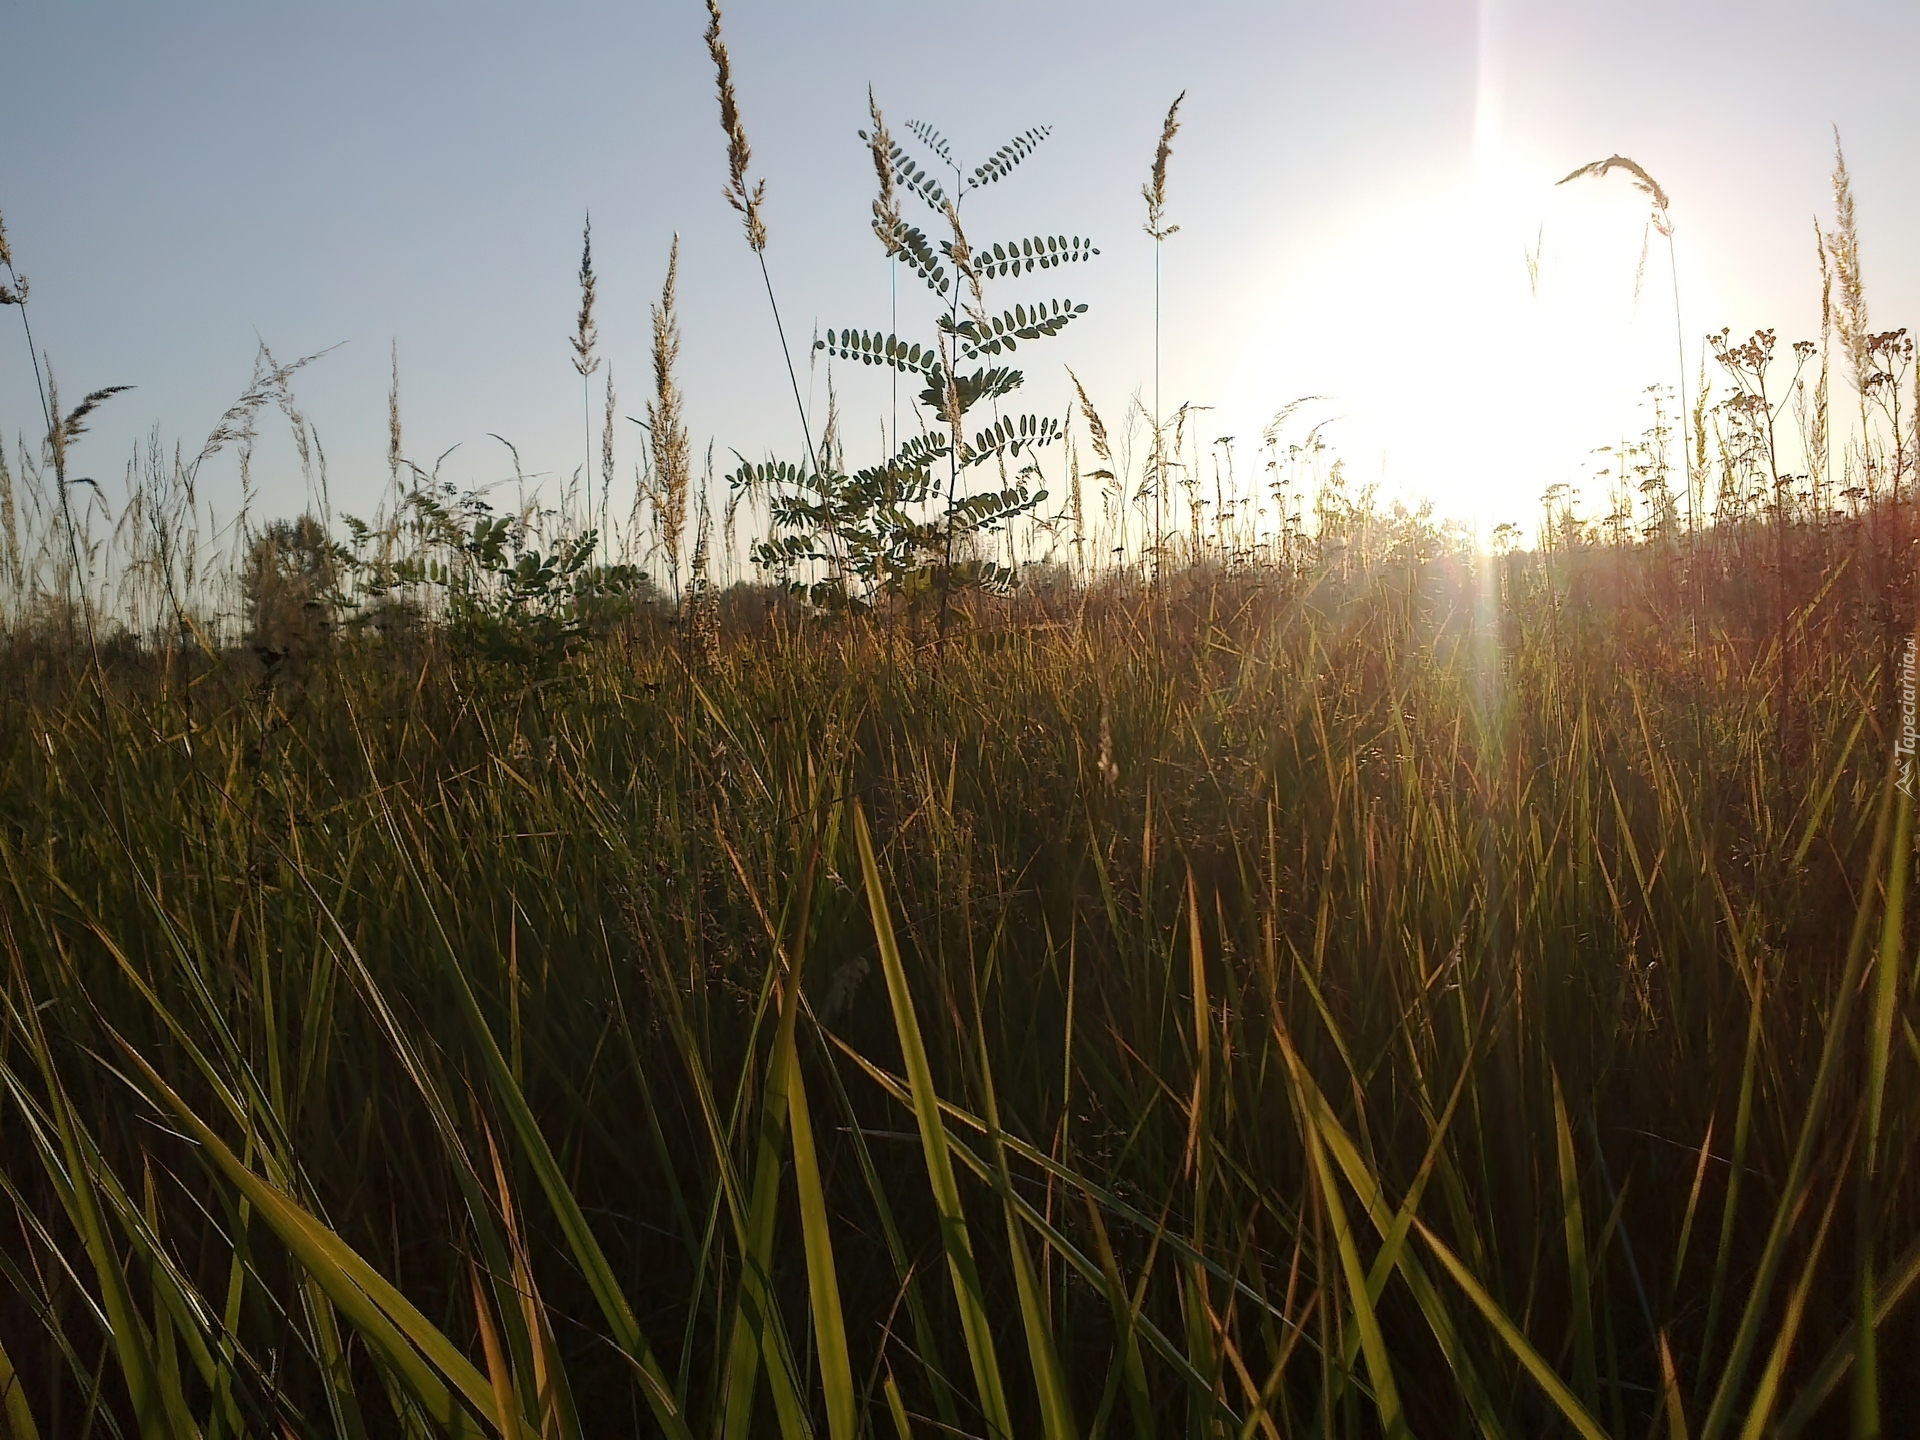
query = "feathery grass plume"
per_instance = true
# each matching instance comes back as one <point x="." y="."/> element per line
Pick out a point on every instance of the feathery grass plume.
<point x="73" y="426"/>
<point x="585" y="338"/>
<point x="64" y="431"/>
<point x="585" y="334"/>
<point x="1819" y="447"/>
<point x="1096" y="435"/>
<point x="1076" y="507"/>
<point x="743" y="193"/>
<point x="666" y="424"/>
<point x="9" y="524"/>
<point x="703" y="605"/>
<point x="832" y="450"/>
<point x="606" y="459"/>
<point x="15" y="293"/>
<point x="1642" y="181"/>
<point x="1843" y="248"/>
<point x="961" y="253"/>
<point x="393" y="419"/>
<point x="886" y="205"/>
<point x="746" y="196"/>
<point x="1154" y="192"/>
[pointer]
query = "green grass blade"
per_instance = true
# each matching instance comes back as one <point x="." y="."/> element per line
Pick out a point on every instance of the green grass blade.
<point x="13" y="1402"/>
<point x="967" y="1292"/>
<point x="829" y="1325"/>
<point x="1564" y="1400"/>
<point x="1766" y="1392"/>
<point x="586" y="1249"/>
<point x="1579" y="1278"/>
<point x="429" y="1364"/>
<point x="1900" y="1278"/>
<point x="1773" y="1252"/>
<point x="1386" y="1397"/>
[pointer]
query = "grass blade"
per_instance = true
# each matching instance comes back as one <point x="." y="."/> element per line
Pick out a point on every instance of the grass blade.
<point x="967" y="1291"/>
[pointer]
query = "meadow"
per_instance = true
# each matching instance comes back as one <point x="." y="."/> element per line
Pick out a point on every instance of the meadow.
<point x="1327" y="979"/>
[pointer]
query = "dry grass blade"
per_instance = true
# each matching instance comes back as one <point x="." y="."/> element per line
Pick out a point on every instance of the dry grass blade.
<point x="1670" y="1397"/>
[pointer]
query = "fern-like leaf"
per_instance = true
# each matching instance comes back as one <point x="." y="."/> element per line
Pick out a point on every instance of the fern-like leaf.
<point x="932" y="139"/>
<point x="1001" y="163"/>
<point x="1010" y="435"/>
<point x="994" y="334"/>
<point x="873" y="348"/>
<point x="916" y="252"/>
<point x="1040" y="252"/>
<point x="769" y="476"/>
<point x="973" y="387"/>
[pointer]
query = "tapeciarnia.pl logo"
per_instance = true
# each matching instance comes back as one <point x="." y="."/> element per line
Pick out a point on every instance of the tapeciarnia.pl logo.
<point x="1904" y="746"/>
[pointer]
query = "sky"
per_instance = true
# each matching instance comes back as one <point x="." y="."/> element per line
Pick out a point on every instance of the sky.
<point x="1358" y="188"/>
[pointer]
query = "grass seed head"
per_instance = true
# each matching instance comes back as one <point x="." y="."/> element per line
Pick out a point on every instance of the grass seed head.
<point x="585" y="334"/>
<point x="666" y="423"/>
<point x="744" y="194"/>
<point x="393" y="417"/>
<point x="886" y="205"/>
<point x="1843" y="247"/>
<point x="1155" y="190"/>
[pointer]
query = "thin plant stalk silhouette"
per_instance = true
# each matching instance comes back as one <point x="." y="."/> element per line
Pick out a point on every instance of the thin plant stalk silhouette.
<point x="1154" y="192"/>
<point x="747" y="196"/>
<point x="1663" y="222"/>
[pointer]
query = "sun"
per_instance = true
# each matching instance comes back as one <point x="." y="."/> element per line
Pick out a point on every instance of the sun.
<point x="1483" y="335"/>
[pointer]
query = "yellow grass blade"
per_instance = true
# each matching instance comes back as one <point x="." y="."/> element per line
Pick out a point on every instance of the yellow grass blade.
<point x="1670" y="1393"/>
<point x="897" y="1408"/>
<point x="506" y="1406"/>
<point x="13" y="1403"/>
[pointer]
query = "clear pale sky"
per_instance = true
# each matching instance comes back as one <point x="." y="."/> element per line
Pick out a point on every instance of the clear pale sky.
<point x="1356" y="185"/>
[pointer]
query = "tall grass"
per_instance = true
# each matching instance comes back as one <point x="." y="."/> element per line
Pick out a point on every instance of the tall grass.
<point x="1372" y="1010"/>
